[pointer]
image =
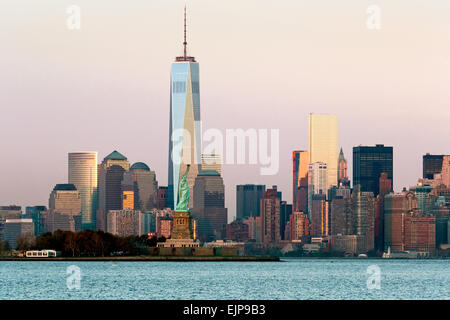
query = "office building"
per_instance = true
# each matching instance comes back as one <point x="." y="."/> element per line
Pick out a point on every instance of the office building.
<point x="148" y="222"/>
<point x="64" y="209"/>
<point x="446" y="171"/>
<point x="319" y="216"/>
<point x="16" y="228"/>
<point x="111" y="173"/>
<point x="237" y="231"/>
<point x="385" y="185"/>
<point x="368" y="165"/>
<point x="162" y="198"/>
<point x="209" y="206"/>
<point x="285" y="214"/>
<point x="317" y="182"/>
<point x="298" y="226"/>
<point x="124" y="223"/>
<point x="342" y="170"/>
<point x="396" y="209"/>
<point x="300" y="165"/>
<point x="432" y="164"/>
<point x="39" y="216"/>
<point x="184" y="128"/>
<point x="83" y="174"/>
<point x="248" y="200"/>
<point x="142" y="181"/>
<point x="8" y="212"/>
<point x="270" y="216"/>
<point x="254" y="228"/>
<point x="323" y="144"/>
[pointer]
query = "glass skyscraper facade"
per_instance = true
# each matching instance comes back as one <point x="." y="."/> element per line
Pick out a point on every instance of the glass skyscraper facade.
<point x="184" y="127"/>
<point x="368" y="164"/>
<point x="83" y="174"/>
<point x="432" y="164"/>
<point x="323" y="143"/>
<point x="248" y="200"/>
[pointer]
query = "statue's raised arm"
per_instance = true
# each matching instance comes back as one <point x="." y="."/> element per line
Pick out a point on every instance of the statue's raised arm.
<point x="183" y="193"/>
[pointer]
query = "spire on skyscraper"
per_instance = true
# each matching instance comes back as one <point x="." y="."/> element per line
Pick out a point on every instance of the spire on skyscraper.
<point x="185" y="56"/>
<point x="341" y="155"/>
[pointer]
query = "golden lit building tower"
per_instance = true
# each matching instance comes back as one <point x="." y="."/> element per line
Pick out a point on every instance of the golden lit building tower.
<point x="128" y="200"/>
<point x="300" y="164"/>
<point x="83" y="175"/>
<point x="184" y="130"/>
<point x="323" y="143"/>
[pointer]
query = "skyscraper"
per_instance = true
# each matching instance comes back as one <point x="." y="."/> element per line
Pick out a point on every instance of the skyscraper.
<point x="83" y="174"/>
<point x="142" y="181"/>
<point x="385" y="188"/>
<point x="248" y="200"/>
<point x="270" y="216"/>
<point x="432" y="164"/>
<point x="319" y="216"/>
<point x="209" y="206"/>
<point x="368" y="164"/>
<point x="342" y="170"/>
<point x="111" y="172"/>
<point x="184" y="127"/>
<point x="323" y="143"/>
<point x="446" y="171"/>
<point x="317" y="181"/>
<point x="64" y="209"/>
<point x="300" y="162"/>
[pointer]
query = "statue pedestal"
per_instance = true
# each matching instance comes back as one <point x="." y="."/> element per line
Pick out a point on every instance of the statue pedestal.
<point x="183" y="232"/>
<point x="182" y="225"/>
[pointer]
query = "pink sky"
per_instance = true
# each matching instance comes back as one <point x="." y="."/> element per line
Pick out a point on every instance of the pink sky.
<point x="263" y="64"/>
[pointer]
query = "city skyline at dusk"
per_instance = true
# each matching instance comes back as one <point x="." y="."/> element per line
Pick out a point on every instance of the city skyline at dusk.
<point x="105" y="87"/>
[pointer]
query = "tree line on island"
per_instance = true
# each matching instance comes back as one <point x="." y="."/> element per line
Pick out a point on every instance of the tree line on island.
<point x="86" y="243"/>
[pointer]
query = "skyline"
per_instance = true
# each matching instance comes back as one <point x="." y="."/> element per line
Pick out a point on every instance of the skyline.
<point x="24" y="121"/>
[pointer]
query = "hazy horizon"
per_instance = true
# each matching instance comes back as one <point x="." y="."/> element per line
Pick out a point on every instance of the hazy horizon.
<point x="264" y="64"/>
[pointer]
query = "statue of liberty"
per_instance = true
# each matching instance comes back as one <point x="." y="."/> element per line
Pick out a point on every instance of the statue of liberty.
<point x="183" y="193"/>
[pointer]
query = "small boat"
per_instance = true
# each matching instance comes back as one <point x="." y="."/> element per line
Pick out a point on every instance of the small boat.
<point x="362" y="255"/>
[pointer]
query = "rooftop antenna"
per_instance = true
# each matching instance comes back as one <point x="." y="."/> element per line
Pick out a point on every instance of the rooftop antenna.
<point x="185" y="42"/>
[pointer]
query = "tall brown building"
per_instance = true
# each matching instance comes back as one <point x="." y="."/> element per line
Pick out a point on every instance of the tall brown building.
<point x="300" y="163"/>
<point x="111" y="172"/>
<point x="396" y="209"/>
<point x="354" y="216"/>
<point x="319" y="216"/>
<point x="385" y="188"/>
<point x="237" y="231"/>
<point x="270" y="216"/>
<point x="341" y="216"/>
<point x="420" y="232"/>
<point x="298" y="226"/>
